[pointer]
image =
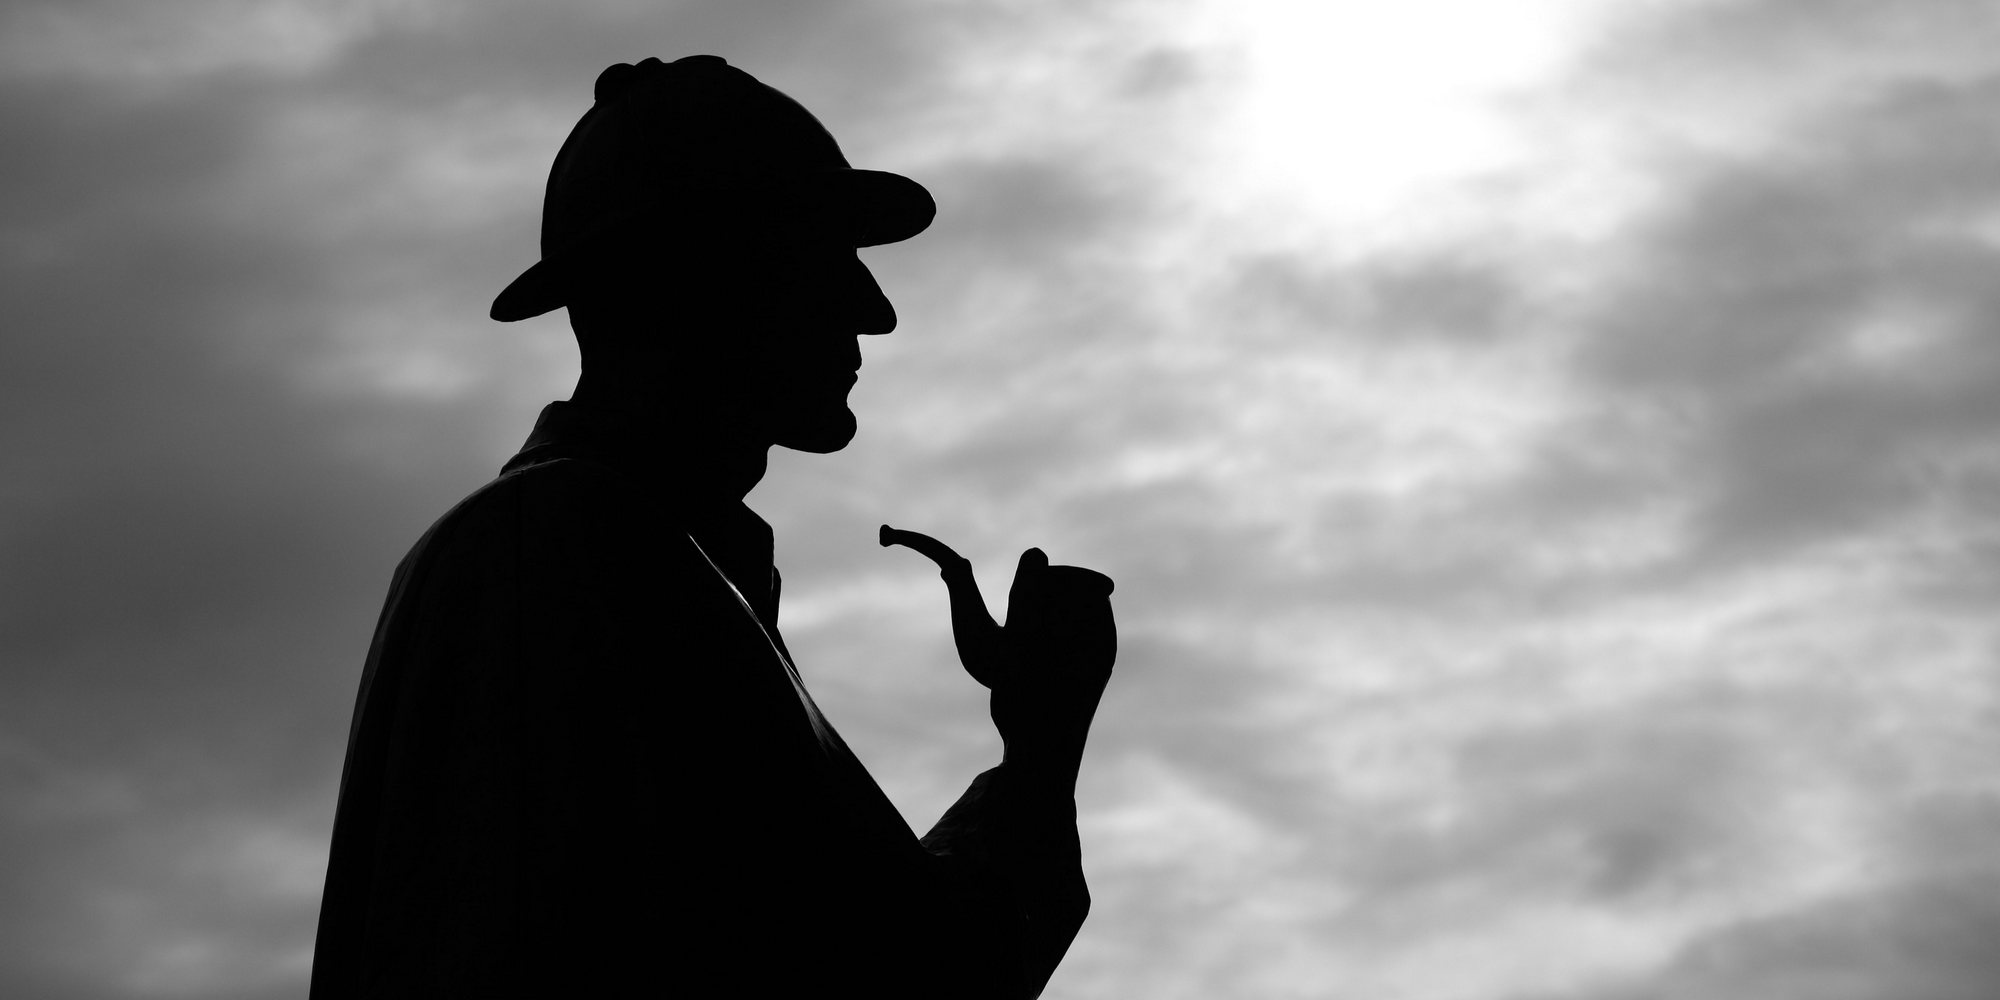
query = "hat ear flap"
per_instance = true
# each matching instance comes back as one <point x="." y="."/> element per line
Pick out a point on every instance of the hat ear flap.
<point x="533" y="293"/>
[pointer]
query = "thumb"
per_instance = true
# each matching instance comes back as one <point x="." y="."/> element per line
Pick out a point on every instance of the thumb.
<point x="1033" y="562"/>
<point x="1028" y="574"/>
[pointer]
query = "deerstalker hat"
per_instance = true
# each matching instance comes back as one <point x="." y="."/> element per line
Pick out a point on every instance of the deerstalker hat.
<point x="693" y="148"/>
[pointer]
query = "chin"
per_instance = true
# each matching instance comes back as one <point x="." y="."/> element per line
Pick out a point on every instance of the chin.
<point x="822" y="436"/>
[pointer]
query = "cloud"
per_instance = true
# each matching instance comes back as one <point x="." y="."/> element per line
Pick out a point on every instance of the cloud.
<point x="1922" y="940"/>
<point x="158" y="44"/>
<point x="1450" y="294"/>
<point x="194" y="546"/>
<point x="1812" y="331"/>
<point x="1779" y="346"/>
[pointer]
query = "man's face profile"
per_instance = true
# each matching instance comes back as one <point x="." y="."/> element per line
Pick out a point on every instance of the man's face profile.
<point x="758" y="335"/>
<point x="805" y="347"/>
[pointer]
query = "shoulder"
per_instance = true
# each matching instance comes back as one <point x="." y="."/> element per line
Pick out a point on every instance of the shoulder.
<point x="553" y="488"/>
<point x="563" y="563"/>
<point x="560" y="523"/>
<point x="574" y="499"/>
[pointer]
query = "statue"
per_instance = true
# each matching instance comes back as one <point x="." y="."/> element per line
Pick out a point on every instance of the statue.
<point x="582" y="761"/>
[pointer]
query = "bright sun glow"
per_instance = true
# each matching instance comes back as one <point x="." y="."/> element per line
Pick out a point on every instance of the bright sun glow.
<point x="1349" y="110"/>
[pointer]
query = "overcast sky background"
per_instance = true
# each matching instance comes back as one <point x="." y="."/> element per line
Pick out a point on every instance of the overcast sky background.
<point x="1546" y="449"/>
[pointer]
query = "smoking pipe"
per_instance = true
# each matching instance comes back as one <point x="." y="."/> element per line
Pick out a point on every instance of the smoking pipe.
<point x="980" y="640"/>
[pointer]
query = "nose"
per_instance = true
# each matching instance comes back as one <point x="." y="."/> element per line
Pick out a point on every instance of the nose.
<point x="869" y="310"/>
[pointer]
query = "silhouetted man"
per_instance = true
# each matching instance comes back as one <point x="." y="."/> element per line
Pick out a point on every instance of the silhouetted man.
<point x="582" y="763"/>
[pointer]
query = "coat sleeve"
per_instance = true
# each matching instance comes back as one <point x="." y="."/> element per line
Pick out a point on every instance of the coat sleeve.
<point x="1018" y="842"/>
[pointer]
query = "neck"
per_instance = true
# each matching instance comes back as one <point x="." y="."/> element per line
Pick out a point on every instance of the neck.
<point x="720" y="459"/>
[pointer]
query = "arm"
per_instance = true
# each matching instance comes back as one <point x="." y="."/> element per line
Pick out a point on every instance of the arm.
<point x="798" y="872"/>
<point x="1017" y="843"/>
<point x="1047" y="669"/>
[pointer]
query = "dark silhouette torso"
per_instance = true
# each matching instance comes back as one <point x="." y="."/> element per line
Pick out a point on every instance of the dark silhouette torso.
<point x="580" y="762"/>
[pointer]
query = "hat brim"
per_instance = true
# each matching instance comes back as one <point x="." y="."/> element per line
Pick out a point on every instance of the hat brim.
<point x="864" y="207"/>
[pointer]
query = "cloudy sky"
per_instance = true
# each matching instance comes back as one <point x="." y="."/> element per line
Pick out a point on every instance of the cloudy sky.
<point x="1546" y="449"/>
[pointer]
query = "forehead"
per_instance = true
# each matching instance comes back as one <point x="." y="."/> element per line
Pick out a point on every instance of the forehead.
<point x="797" y="282"/>
<point x="743" y="268"/>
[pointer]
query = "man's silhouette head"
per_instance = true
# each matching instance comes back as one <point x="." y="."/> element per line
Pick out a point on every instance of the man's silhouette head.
<point x="701" y="227"/>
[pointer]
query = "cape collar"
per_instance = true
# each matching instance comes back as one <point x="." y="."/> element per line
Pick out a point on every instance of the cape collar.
<point x="731" y="534"/>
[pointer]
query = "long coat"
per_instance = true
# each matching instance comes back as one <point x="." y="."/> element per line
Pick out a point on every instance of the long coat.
<point x="582" y="763"/>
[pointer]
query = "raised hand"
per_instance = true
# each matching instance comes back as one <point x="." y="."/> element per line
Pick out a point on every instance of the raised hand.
<point x="1047" y="667"/>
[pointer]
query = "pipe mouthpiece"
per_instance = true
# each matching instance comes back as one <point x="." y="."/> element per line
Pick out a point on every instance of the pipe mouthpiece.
<point x="938" y="552"/>
<point x="974" y="632"/>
